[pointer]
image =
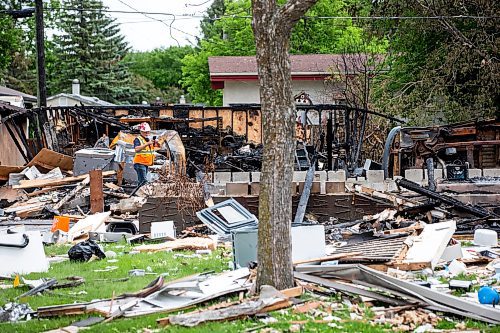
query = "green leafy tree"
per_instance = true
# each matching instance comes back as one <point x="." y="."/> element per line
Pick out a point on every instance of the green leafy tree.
<point x="163" y="68"/>
<point x="20" y="73"/>
<point x="9" y="42"/>
<point x="442" y="70"/>
<point x="10" y="39"/>
<point x="229" y="32"/>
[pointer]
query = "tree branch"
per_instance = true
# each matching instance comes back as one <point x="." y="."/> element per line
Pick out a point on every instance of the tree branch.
<point x="292" y="11"/>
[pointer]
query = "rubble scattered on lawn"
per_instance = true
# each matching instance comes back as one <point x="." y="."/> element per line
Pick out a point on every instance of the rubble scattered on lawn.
<point x="410" y="254"/>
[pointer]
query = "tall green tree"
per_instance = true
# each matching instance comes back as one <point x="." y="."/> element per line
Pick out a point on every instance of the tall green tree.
<point x="90" y="48"/>
<point x="162" y="67"/>
<point x="229" y="32"/>
<point x="443" y="69"/>
<point x="9" y="43"/>
<point x="20" y="73"/>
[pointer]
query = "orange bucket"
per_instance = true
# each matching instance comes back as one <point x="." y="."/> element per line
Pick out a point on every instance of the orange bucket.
<point x="60" y="223"/>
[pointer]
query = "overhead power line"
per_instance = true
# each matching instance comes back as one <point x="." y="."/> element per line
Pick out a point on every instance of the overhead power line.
<point x="456" y="17"/>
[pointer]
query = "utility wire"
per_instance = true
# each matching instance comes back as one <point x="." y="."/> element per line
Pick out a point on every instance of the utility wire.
<point x="197" y="5"/>
<point x="474" y="17"/>
<point x="163" y="22"/>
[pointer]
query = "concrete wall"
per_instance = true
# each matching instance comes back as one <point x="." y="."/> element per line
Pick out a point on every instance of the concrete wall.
<point x="238" y="92"/>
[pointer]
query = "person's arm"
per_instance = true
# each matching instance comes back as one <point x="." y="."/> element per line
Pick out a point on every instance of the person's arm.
<point x="138" y="147"/>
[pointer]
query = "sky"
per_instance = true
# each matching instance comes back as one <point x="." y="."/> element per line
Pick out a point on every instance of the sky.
<point x="145" y="33"/>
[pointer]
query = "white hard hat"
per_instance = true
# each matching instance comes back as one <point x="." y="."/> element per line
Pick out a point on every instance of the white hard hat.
<point x="144" y="127"/>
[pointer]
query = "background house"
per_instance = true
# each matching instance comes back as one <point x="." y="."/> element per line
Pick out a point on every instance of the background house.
<point x="75" y="98"/>
<point x="237" y="76"/>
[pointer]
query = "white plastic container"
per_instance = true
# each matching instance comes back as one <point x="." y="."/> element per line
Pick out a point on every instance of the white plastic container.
<point x="485" y="237"/>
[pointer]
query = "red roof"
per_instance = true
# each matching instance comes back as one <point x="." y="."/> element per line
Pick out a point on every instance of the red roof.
<point x="304" y="67"/>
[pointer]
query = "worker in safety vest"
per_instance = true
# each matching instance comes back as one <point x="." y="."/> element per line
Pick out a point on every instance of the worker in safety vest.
<point x="144" y="153"/>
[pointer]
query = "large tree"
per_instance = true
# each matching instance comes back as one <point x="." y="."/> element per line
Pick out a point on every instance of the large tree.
<point x="90" y="48"/>
<point x="445" y="65"/>
<point x="272" y="25"/>
<point x="227" y="32"/>
<point x="162" y="67"/>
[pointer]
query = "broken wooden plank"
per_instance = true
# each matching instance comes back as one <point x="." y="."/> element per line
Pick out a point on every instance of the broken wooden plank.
<point x="49" y="160"/>
<point x="6" y="170"/>
<point x="71" y="194"/>
<point x="67" y="180"/>
<point x="96" y="195"/>
<point x="112" y="186"/>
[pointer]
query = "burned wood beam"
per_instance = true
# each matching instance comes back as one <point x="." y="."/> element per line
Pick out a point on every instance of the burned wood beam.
<point x="474" y="210"/>
<point x="16" y="142"/>
<point x="18" y="111"/>
<point x="84" y="113"/>
<point x="22" y="136"/>
<point x="33" y="118"/>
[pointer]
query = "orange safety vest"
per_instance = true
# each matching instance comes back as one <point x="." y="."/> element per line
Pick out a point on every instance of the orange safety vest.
<point x="145" y="156"/>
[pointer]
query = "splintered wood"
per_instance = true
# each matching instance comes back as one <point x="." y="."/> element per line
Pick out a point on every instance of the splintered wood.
<point x="68" y="180"/>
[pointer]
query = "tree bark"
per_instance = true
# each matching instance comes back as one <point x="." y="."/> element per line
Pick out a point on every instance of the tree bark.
<point x="272" y="26"/>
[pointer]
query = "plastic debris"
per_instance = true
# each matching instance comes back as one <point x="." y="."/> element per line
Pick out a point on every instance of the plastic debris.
<point x="488" y="295"/>
<point x="85" y="250"/>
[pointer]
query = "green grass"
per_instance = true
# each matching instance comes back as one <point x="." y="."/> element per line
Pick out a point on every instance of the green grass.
<point x="100" y="285"/>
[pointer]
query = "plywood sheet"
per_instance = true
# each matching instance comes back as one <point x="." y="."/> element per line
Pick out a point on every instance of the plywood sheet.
<point x="166" y="113"/>
<point x="210" y="114"/>
<point x="240" y="122"/>
<point x="226" y="118"/>
<point x="254" y="126"/>
<point x="6" y="170"/>
<point x="196" y="114"/>
<point x="9" y="153"/>
<point x="49" y="159"/>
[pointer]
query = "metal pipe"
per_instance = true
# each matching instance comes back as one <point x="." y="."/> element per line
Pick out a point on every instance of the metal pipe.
<point x="387" y="149"/>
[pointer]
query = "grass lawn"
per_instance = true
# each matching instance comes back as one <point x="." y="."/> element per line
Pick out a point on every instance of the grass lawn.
<point x="99" y="285"/>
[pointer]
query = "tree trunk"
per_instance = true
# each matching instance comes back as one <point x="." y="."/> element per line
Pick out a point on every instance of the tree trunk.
<point x="272" y="27"/>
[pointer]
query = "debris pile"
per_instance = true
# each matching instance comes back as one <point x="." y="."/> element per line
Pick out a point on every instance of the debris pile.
<point x="399" y="252"/>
